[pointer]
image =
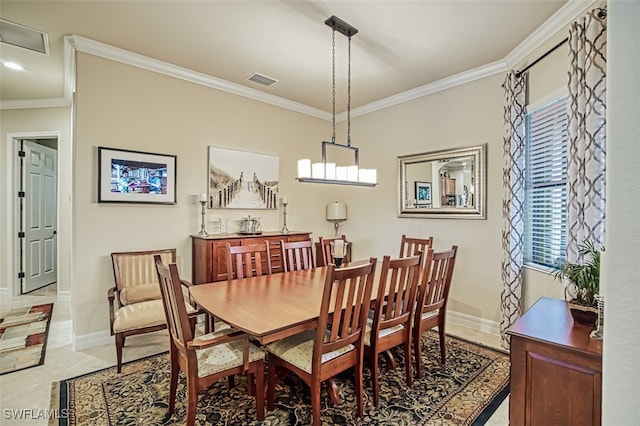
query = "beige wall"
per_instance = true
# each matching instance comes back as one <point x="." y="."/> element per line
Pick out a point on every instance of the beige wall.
<point x="124" y="107"/>
<point x="30" y="121"/>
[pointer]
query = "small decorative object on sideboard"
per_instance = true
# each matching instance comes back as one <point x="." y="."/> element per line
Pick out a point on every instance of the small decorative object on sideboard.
<point x="582" y="293"/>
<point x="250" y="225"/>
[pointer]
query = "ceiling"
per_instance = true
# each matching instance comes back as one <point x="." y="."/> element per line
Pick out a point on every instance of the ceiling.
<point x="401" y="45"/>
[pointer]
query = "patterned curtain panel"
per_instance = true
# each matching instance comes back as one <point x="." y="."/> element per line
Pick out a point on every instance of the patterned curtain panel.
<point x="513" y="202"/>
<point x="586" y="132"/>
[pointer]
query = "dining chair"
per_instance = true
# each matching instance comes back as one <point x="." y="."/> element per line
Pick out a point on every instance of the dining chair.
<point x="336" y="345"/>
<point x="392" y="315"/>
<point x="135" y="305"/>
<point x="410" y="246"/>
<point x="248" y="261"/>
<point x="297" y="255"/>
<point x="324" y="244"/>
<point x="431" y="304"/>
<point x="207" y="358"/>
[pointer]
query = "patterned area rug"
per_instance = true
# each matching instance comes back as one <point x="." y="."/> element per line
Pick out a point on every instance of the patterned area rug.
<point x="23" y="337"/>
<point x="465" y="392"/>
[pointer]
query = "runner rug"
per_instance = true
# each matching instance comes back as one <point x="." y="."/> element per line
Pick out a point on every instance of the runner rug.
<point x="466" y="391"/>
<point x="23" y="337"/>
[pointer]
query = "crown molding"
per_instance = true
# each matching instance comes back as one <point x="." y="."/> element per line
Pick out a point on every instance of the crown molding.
<point x="106" y="51"/>
<point x="35" y="103"/>
<point x="557" y="22"/>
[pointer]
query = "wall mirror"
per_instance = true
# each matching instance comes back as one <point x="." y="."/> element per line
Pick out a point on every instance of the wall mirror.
<point x="448" y="184"/>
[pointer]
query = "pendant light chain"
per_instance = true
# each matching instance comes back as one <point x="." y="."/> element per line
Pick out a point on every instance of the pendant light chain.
<point x="333" y="82"/>
<point x="349" y="97"/>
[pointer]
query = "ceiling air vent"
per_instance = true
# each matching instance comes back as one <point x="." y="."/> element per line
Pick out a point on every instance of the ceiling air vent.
<point x="25" y="37"/>
<point x="262" y="79"/>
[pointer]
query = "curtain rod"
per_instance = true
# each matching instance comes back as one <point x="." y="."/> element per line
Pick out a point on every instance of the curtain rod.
<point x="519" y="73"/>
<point x="602" y="14"/>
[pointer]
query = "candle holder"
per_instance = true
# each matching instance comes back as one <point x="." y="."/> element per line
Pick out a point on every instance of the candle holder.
<point x="203" y="231"/>
<point x="285" y="230"/>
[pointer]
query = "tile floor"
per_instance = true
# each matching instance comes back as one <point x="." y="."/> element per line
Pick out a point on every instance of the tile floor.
<point x="30" y="389"/>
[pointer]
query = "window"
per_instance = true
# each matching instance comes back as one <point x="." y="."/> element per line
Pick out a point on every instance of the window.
<point x="545" y="206"/>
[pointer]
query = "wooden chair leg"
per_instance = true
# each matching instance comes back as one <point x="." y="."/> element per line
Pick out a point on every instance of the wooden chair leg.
<point x="443" y="348"/>
<point x="391" y="361"/>
<point x="173" y="384"/>
<point x="407" y="362"/>
<point x="260" y="391"/>
<point x="375" y="376"/>
<point x="315" y="403"/>
<point x="192" y="398"/>
<point x="119" y="346"/>
<point x="359" y="390"/>
<point x="417" y="348"/>
<point x="271" y="387"/>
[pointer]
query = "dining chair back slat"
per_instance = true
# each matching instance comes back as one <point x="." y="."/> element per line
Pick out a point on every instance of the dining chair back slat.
<point x="248" y="261"/>
<point x="297" y="255"/>
<point x="325" y="247"/>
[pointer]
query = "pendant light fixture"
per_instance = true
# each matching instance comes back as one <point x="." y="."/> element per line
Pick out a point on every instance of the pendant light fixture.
<point x="330" y="172"/>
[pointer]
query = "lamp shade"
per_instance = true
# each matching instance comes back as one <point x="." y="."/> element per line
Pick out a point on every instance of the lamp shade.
<point x="336" y="211"/>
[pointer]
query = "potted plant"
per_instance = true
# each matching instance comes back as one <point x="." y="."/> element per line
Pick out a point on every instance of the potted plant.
<point x="584" y="286"/>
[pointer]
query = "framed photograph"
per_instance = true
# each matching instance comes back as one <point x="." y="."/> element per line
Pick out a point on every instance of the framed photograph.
<point x="242" y="180"/>
<point x="136" y="177"/>
<point x="423" y="193"/>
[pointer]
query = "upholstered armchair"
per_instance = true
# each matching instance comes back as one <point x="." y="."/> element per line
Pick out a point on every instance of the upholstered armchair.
<point x="135" y="303"/>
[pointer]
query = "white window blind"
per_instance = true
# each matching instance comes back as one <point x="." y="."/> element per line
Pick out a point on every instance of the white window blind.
<point x="546" y="185"/>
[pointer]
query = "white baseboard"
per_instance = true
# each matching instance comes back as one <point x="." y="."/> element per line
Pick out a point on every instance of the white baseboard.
<point x="64" y="295"/>
<point x="475" y="323"/>
<point x="91" y="340"/>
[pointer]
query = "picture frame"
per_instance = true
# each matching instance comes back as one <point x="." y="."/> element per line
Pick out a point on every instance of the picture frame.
<point x="126" y="176"/>
<point x="242" y="179"/>
<point x="423" y="193"/>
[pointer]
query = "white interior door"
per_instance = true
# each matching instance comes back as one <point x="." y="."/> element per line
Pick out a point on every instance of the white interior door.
<point x="39" y="248"/>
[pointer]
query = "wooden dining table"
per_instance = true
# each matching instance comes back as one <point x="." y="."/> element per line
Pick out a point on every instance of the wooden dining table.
<point x="267" y="307"/>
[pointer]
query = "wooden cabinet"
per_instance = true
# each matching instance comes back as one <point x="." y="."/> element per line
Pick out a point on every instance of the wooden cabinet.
<point x="556" y="369"/>
<point x="447" y="191"/>
<point x="209" y="256"/>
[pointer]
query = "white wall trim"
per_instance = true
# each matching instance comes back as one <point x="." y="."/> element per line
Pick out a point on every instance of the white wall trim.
<point x="474" y="323"/>
<point x="91" y="340"/>
<point x="11" y="224"/>
<point x="64" y="296"/>
<point x="86" y="45"/>
<point x="35" y="103"/>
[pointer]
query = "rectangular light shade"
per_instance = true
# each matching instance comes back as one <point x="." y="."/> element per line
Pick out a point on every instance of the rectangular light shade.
<point x="304" y="168"/>
<point x="336" y="211"/>
<point x="330" y="171"/>
<point x="317" y="170"/>
<point x="341" y="173"/>
<point x="352" y="173"/>
<point x="367" y="175"/>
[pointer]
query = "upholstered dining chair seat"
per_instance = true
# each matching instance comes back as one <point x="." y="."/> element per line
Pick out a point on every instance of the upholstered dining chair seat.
<point x="383" y="333"/>
<point x="142" y="314"/>
<point x="218" y="358"/>
<point x="298" y="350"/>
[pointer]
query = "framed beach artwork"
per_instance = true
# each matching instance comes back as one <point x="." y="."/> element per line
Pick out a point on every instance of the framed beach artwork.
<point x="242" y="179"/>
<point x="126" y="176"/>
<point x="423" y="193"/>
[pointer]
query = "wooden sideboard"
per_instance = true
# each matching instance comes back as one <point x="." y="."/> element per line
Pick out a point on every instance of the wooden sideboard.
<point x="208" y="253"/>
<point x="556" y="368"/>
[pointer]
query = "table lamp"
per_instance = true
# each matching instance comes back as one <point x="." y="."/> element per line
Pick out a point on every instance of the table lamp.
<point x="336" y="213"/>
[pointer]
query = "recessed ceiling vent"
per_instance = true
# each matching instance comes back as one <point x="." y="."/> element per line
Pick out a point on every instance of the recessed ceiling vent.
<point x="262" y="79"/>
<point x="25" y="37"/>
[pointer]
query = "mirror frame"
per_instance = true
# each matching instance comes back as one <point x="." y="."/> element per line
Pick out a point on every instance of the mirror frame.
<point x="479" y="154"/>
